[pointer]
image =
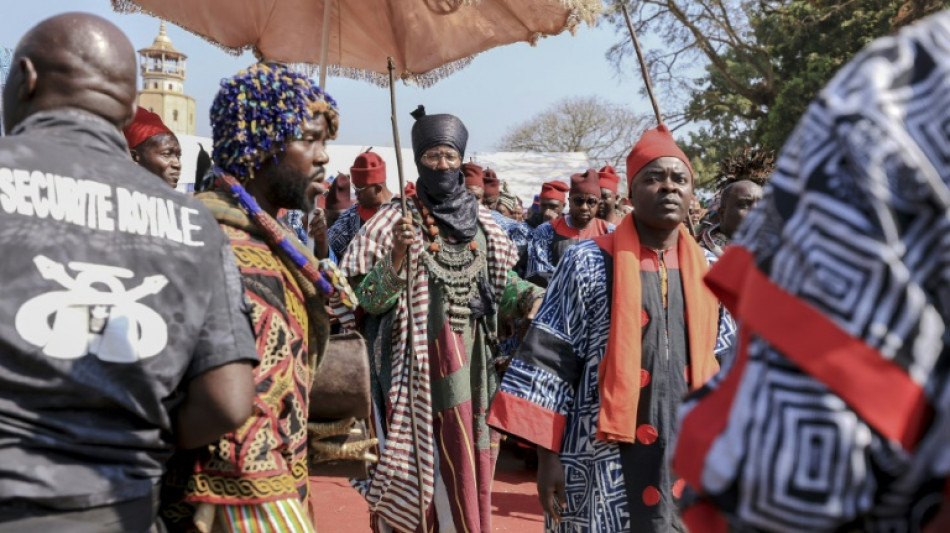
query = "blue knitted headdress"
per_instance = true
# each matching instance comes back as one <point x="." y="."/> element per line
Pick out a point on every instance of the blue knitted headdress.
<point x="259" y="110"/>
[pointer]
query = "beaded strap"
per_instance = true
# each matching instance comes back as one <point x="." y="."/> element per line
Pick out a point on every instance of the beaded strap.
<point x="325" y="276"/>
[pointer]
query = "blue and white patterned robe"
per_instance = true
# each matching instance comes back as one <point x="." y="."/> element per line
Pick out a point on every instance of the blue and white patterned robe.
<point x="546" y="245"/>
<point x="342" y="232"/>
<point x="520" y="234"/>
<point x="550" y="396"/>
<point x="833" y="415"/>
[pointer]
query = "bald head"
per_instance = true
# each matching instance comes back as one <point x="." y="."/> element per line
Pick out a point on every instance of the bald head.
<point x="73" y="60"/>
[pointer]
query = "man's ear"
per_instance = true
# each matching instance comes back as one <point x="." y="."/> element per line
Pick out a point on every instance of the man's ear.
<point x="132" y="110"/>
<point x="135" y="155"/>
<point x="28" y="71"/>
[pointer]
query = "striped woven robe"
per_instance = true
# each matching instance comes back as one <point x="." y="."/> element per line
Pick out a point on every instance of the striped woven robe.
<point x="453" y="382"/>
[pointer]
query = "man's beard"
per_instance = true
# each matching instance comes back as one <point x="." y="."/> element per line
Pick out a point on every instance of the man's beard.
<point x="289" y="191"/>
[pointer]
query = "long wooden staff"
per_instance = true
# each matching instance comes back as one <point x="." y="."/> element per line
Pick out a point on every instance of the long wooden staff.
<point x="649" y="84"/>
<point x="409" y="341"/>
<point x="643" y="63"/>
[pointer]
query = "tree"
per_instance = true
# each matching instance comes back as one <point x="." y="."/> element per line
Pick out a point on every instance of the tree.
<point x="811" y="40"/>
<point x="763" y="61"/>
<point x="717" y="33"/>
<point x="604" y="130"/>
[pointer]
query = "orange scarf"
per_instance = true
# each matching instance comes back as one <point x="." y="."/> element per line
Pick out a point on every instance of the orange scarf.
<point x="619" y="376"/>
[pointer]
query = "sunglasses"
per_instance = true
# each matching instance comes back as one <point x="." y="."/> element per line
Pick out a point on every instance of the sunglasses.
<point x="580" y="202"/>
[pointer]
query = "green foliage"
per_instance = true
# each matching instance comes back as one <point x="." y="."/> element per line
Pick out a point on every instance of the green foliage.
<point x="765" y="62"/>
<point x="809" y="42"/>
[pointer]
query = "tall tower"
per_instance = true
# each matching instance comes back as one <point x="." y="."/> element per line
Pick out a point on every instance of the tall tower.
<point x="163" y="79"/>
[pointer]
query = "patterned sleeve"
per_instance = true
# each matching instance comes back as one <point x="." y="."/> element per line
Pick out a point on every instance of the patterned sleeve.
<point x="727" y="325"/>
<point x="342" y="231"/>
<point x="518" y="297"/>
<point x="380" y="289"/>
<point x="369" y="255"/>
<point x="294" y="220"/>
<point x="370" y="244"/>
<point x="540" y="263"/>
<point x="538" y="389"/>
<point x="519" y="233"/>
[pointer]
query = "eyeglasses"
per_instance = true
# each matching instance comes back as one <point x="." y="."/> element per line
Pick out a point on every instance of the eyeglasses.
<point x="580" y="201"/>
<point x="372" y="187"/>
<point x="453" y="159"/>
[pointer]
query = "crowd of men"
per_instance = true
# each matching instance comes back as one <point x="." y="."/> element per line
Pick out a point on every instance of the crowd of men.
<point x="159" y="349"/>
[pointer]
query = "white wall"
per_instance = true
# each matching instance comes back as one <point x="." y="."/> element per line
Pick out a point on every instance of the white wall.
<point x="524" y="172"/>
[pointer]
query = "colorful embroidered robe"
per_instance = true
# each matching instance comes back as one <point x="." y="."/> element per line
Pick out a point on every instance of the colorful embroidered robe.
<point x="264" y="460"/>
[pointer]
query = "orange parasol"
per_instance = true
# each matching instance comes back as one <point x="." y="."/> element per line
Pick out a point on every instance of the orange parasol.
<point x="427" y="39"/>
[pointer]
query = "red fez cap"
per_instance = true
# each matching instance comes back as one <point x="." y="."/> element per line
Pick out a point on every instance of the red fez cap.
<point x="653" y="144"/>
<point x="338" y="197"/>
<point x="410" y="189"/>
<point x="492" y="183"/>
<point x="473" y="175"/>
<point x="586" y="183"/>
<point x="145" y="126"/>
<point x="609" y="179"/>
<point x="555" y="190"/>
<point x="368" y="169"/>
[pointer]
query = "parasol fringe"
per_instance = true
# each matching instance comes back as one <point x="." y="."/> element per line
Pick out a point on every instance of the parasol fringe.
<point x="424" y="81"/>
<point x="129" y="7"/>
<point x="582" y="11"/>
<point x="586" y="11"/>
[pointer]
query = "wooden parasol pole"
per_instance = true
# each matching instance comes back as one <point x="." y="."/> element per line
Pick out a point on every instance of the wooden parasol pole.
<point x="409" y="340"/>
<point x="325" y="42"/>
<point x="643" y="63"/>
<point x="392" y="106"/>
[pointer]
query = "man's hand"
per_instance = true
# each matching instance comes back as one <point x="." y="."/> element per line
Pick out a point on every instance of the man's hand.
<point x="317" y="229"/>
<point x="551" y="484"/>
<point x="318" y="226"/>
<point x="403" y="236"/>
<point x="534" y="308"/>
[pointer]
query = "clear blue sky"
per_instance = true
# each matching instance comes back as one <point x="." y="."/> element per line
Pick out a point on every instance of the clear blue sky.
<point x="501" y="88"/>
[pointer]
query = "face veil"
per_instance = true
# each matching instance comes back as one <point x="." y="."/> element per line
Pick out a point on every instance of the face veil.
<point x="443" y="191"/>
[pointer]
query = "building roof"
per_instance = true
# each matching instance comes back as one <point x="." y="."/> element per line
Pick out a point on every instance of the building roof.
<point x="162" y="45"/>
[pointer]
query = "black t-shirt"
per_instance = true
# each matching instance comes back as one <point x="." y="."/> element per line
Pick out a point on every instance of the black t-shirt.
<point x="115" y="290"/>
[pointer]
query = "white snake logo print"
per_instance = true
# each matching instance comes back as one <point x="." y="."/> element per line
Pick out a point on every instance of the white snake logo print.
<point x="82" y="319"/>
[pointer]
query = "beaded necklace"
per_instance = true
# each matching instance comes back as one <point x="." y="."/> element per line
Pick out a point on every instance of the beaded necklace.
<point x="455" y="267"/>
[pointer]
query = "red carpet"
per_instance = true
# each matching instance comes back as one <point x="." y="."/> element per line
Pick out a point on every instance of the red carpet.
<point x="515" y="507"/>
